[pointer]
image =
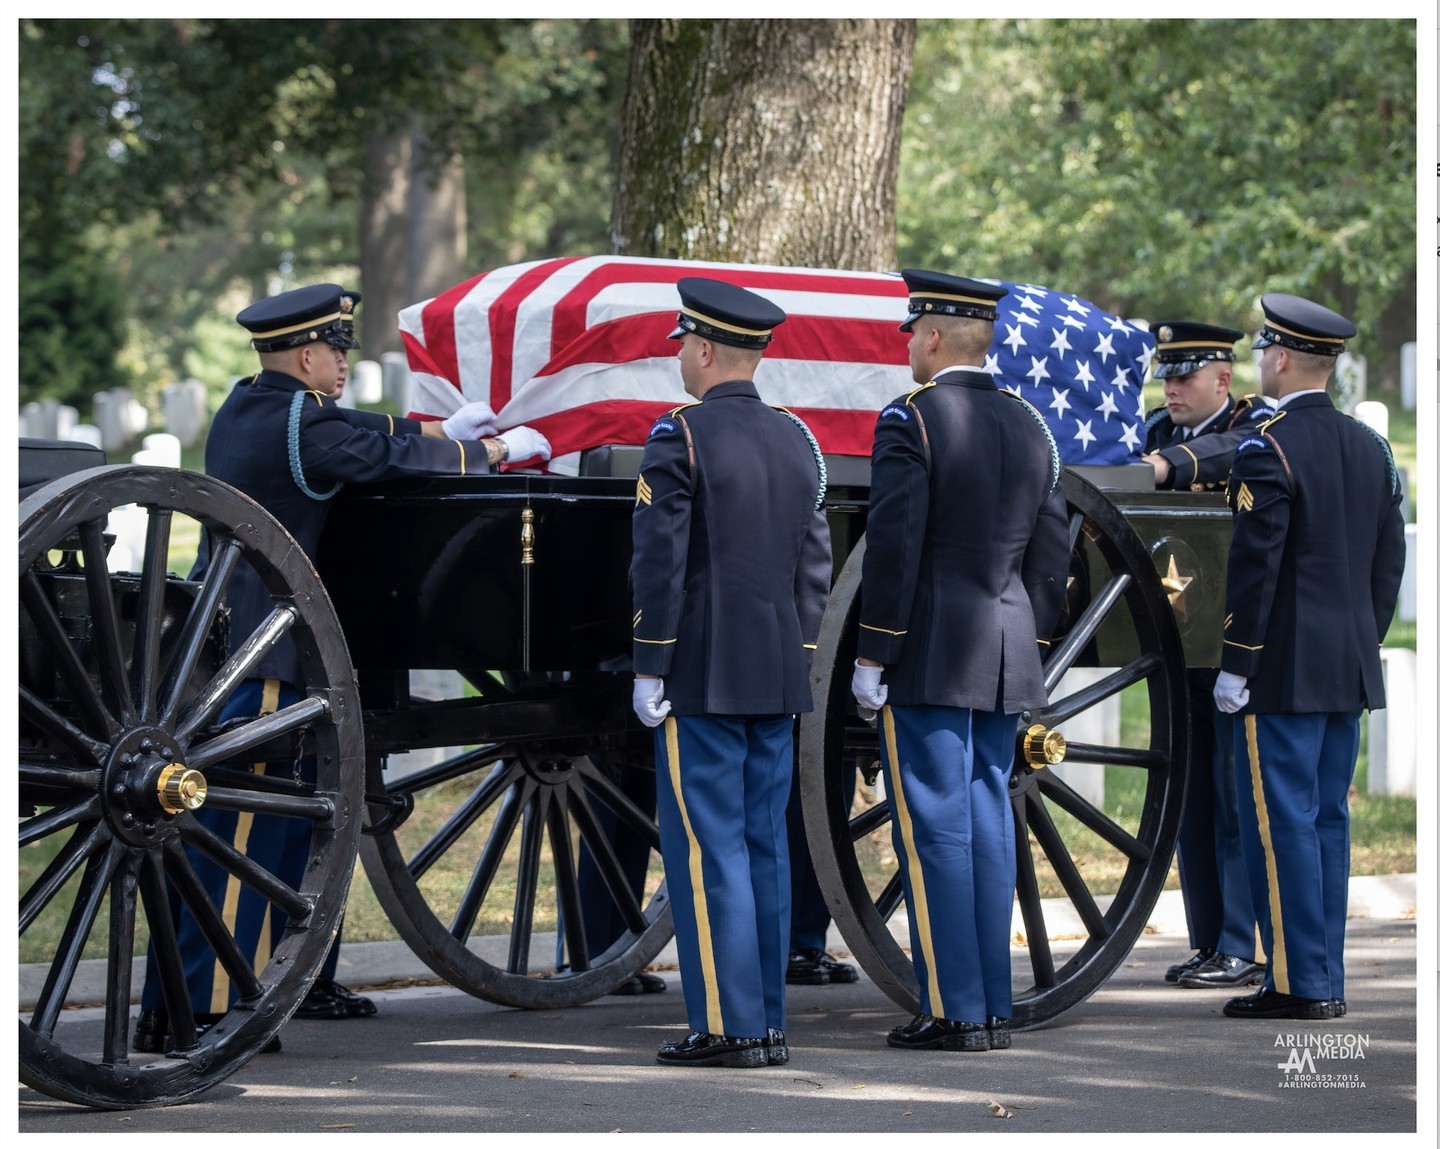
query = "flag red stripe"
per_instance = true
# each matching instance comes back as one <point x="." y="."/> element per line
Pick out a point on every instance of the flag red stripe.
<point x="502" y="326"/>
<point x="438" y="322"/>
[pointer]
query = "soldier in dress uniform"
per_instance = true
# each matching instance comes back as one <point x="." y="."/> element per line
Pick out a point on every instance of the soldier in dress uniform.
<point x="963" y="576"/>
<point x="731" y="572"/>
<point x="281" y="438"/>
<point x="1314" y="570"/>
<point x="1190" y="442"/>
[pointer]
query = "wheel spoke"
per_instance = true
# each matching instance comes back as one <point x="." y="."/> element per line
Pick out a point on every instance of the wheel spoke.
<point x="1055" y="788"/>
<point x="527" y="880"/>
<point x="619" y="803"/>
<point x="103" y="625"/>
<point x="316" y="809"/>
<point x="42" y="825"/>
<point x="480" y="881"/>
<point x="58" y="647"/>
<point x="891" y="897"/>
<point x="235" y="743"/>
<point x="602" y="851"/>
<point x="869" y="821"/>
<point x="72" y="940"/>
<point x="165" y="950"/>
<point x="567" y="887"/>
<point x="1084" y="629"/>
<point x="254" y="875"/>
<point x="84" y="843"/>
<point x="122" y="946"/>
<point x="1064" y="866"/>
<point x="61" y="728"/>
<point x="150" y="611"/>
<point x="465" y="763"/>
<point x="1027" y="890"/>
<point x="197" y="627"/>
<point x="183" y="877"/>
<point x="1115" y="756"/>
<point x="58" y="777"/>
<point x="462" y="819"/>
<point x="236" y="669"/>
<point x="1065" y="708"/>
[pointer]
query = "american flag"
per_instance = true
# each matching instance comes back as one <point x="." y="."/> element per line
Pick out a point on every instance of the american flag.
<point x="577" y="349"/>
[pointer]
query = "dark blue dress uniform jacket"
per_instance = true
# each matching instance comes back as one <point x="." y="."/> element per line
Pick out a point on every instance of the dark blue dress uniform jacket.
<point x="1315" y="561"/>
<point x="248" y="447"/>
<point x="1202" y="462"/>
<point x="731" y="568"/>
<point x="967" y="546"/>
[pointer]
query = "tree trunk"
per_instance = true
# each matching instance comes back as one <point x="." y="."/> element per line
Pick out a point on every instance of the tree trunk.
<point x="763" y="141"/>
<point x="384" y="242"/>
<point x="437" y="228"/>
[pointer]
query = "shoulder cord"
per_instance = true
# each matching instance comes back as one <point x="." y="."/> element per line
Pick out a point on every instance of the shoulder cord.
<point x="1389" y="454"/>
<point x="293" y="443"/>
<point x="1049" y="438"/>
<point x="814" y="450"/>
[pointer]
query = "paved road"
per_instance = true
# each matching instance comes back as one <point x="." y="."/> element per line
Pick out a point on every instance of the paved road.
<point x="1138" y="1056"/>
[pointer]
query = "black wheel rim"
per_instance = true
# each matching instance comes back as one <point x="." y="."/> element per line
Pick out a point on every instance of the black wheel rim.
<point x="1115" y="585"/>
<point x="508" y="822"/>
<point x="137" y="689"/>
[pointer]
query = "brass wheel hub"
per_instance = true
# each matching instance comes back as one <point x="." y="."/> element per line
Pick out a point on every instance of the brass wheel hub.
<point x="1043" y="747"/>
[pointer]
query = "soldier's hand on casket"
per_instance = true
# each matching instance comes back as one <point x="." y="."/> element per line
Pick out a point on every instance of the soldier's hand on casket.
<point x="649" y="701"/>
<point x="870" y="693"/>
<point x="1231" y="692"/>
<point x="473" y="421"/>
<point x="523" y="443"/>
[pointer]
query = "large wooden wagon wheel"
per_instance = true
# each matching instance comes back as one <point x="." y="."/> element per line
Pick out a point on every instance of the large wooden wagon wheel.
<point x="512" y="823"/>
<point x="122" y="679"/>
<point x="1115" y="605"/>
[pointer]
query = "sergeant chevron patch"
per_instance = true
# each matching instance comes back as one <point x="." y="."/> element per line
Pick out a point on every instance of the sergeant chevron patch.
<point x="1244" y="500"/>
<point x="642" y="491"/>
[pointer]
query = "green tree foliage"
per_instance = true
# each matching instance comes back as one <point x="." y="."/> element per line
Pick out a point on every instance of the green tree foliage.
<point x="1175" y="167"/>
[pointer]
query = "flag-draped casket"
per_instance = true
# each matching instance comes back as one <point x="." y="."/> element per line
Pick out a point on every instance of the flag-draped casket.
<point x="577" y="348"/>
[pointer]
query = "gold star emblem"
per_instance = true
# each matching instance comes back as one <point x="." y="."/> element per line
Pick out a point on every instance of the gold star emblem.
<point x="1175" y="583"/>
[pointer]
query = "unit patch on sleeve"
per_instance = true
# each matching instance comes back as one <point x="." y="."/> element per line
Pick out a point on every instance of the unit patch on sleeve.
<point x="895" y="411"/>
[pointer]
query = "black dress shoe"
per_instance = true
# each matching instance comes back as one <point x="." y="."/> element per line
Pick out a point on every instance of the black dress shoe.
<point x="926" y="1032"/>
<point x="329" y="1000"/>
<point x="1267" y="1003"/>
<point x="638" y="984"/>
<point x="777" y="1052"/>
<point x="152" y="1032"/>
<point x="1194" y="961"/>
<point x="714" y="1049"/>
<point x="1222" y="971"/>
<point x="998" y="1029"/>
<point x="1338" y="1005"/>
<point x="816" y="967"/>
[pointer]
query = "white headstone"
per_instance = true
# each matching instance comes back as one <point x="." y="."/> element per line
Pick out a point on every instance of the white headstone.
<point x="367" y="382"/>
<point x="1405" y="608"/>
<point x="65" y="420"/>
<point x="85" y="433"/>
<point x="1374" y="415"/>
<point x="395" y="373"/>
<point x="183" y="406"/>
<point x="30" y="421"/>
<point x="162" y="448"/>
<point x="1391" y="744"/>
<point x="1408" y="374"/>
<point x="1350" y="374"/>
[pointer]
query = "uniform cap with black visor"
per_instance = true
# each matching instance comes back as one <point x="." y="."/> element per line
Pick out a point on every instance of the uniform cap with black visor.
<point x="1302" y="325"/>
<point x="321" y="313"/>
<point x="724" y="313"/>
<point x="1184" y="348"/>
<point x="935" y="293"/>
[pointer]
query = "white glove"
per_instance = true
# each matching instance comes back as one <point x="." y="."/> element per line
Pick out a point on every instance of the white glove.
<point x="473" y="421"/>
<point x="865" y="685"/>
<point x="524" y="443"/>
<point x="1231" y="693"/>
<point x="646" y="699"/>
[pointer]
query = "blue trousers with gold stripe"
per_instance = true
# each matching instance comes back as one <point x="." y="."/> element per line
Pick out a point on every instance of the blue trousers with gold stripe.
<point x="1294" y="783"/>
<point x="721" y="788"/>
<point x="947" y="773"/>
